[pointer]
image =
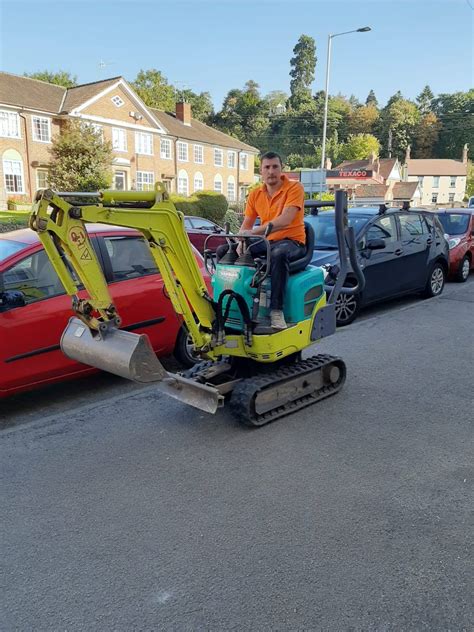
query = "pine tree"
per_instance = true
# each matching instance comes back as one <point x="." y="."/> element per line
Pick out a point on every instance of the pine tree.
<point x="303" y="65"/>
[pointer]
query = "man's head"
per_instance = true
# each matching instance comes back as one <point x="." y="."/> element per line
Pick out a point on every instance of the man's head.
<point x="270" y="168"/>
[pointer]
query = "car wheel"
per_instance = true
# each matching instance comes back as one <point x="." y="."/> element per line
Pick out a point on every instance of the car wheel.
<point x="436" y="280"/>
<point x="347" y="309"/>
<point x="184" y="350"/>
<point x="463" y="270"/>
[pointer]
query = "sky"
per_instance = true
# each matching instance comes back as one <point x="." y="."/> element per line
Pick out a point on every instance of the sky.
<point x="217" y="45"/>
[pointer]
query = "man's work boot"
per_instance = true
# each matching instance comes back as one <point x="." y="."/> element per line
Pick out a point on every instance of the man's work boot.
<point x="277" y="319"/>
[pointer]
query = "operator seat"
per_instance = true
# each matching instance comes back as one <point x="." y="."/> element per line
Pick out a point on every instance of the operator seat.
<point x="300" y="264"/>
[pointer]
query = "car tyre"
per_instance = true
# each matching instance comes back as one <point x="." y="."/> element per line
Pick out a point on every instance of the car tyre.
<point x="183" y="350"/>
<point x="347" y="309"/>
<point x="436" y="280"/>
<point x="463" y="271"/>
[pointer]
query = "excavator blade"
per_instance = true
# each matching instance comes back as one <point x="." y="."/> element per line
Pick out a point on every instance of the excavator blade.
<point x="131" y="356"/>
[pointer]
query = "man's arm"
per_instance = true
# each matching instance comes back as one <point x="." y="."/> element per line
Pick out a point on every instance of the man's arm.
<point x="285" y="218"/>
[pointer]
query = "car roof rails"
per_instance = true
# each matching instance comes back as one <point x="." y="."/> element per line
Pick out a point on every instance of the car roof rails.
<point x="406" y="206"/>
<point x="382" y="209"/>
<point x="315" y="205"/>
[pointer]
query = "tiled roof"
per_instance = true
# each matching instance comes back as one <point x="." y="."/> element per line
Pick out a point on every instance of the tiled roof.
<point x="385" y="165"/>
<point x="198" y="131"/>
<point x="371" y="191"/>
<point x="404" y="190"/>
<point x="80" y="94"/>
<point x="30" y="93"/>
<point x="436" y="167"/>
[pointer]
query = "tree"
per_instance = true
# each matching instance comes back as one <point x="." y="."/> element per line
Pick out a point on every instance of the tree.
<point x="153" y="88"/>
<point x="371" y="100"/>
<point x="360" y="147"/>
<point x="363" y="120"/>
<point x="456" y="115"/>
<point x="202" y="108"/>
<point x="398" y="122"/>
<point x="303" y="65"/>
<point x="80" y="159"/>
<point x="275" y="99"/>
<point x="470" y="179"/>
<point x="426" y="136"/>
<point x="425" y="100"/>
<point x="60" y="78"/>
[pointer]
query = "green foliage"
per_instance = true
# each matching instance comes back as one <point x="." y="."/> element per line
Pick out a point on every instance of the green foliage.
<point x="208" y="204"/>
<point x="426" y="136"/>
<point x="202" y="108"/>
<point x="470" y="179"/>
<point x="234" y="218"/>
<point x="81" y="161"/>
<point x="371" y="100"/>
<point x="363" y="120"/>
<point x="303" y="65"/>
<point x="425" y="100"/>
<point x="456" y="115"/>
<point x="60" y="78"/>
<point x="400" y="118"/>
<point x="153" y="88"/>
<point x="360" y="147"/>
<point x="10" y="222"/>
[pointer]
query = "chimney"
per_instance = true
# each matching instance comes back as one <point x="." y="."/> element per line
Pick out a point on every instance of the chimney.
<point x="372" y="157"/>
<point x="465" y="149"/>
<point x="183" y="112"/>
<point x="407" y="153"/>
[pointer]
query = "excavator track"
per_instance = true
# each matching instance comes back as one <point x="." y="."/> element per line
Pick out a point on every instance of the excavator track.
<point x="264" y="397"/>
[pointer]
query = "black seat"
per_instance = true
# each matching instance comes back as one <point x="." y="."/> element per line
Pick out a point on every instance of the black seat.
<point x="300" y="264"/>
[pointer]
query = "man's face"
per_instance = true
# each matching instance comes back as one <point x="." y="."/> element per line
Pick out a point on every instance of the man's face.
<point x="271" y="171"/>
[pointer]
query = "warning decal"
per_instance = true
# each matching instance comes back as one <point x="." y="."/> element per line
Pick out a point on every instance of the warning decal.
<point x="86" y="255"/>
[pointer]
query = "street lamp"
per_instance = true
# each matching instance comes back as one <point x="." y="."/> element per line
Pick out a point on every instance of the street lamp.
<point x="364" y="29"/>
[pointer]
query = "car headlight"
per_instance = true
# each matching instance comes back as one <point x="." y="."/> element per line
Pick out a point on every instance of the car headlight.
<point x="453" y="242"/>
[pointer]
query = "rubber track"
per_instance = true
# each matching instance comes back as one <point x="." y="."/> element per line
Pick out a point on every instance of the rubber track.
<point x="243" y="395"/>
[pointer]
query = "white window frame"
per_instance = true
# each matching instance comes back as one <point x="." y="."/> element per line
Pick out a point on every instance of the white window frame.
<point x="231" y="182"/>
<point x="435" y="182"/>
<point x="10" y="127"/>
<point x="182" y="151"/>
<point x="165" y="148"/>
<point x="145" y="181"/>
<point x="7" y="172"/>
<point x="420" y="181"/>
<point x="182" y="178"/>
<point x="218" y="157"/>
<point x="231" y="159"/>
<point x="38" y="184"/>
<point x="117" y="134"/>
<point x="434" y="198"/>
<point x="199" y="154"/>
<point x="451" y="197"/>
<point x="41" y="120"/>
<point x="117" y="101"/>
<point x="244" y="161"/>
<point x="198" y="176"/>
<point x="141" y="147"/>
<point x="218" y="180"/>
<point x="452" y="182"/>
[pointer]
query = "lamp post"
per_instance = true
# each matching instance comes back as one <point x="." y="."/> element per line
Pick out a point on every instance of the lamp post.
<point x="364" y="29"/>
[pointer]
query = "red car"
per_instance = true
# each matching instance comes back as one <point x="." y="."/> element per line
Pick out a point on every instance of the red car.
<point x="31" y="326"/>
<point x="199" y="229"/>
<point x="458" y="224"/>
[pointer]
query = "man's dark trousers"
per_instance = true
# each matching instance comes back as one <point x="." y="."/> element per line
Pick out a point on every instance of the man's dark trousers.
<point x="282" y="252"/>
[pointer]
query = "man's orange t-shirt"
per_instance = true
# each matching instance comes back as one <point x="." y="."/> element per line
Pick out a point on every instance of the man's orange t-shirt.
<point x="260" y="204"/>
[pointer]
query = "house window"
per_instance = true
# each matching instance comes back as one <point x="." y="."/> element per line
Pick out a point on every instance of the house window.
<point x="420" y="181"/>
<point x="452" y="182"/>
<point x="13" y="174"/>
<point x="218" y="157"/>
<point x="183" y="182"/>
<point x="182" y="149"/>
<point x="41" y="178"/>
<point x="117" y="101"/>
<point x="165" y="148"/>
<point x="119" y="139"/>
<point x="451" y="197"/>
<point x="9" y="125"/>
<point x="41" y="129"/>
<point x="435" y="182"/>
<point x="231" y="189"/>
<point x="218" y="183"/>
<point x="231" y="159"/>
<point x="244" y="161"/>
<point x="145" y="180"/>
<point x="199" y="154"/>
<point x="144" y="143"/>
<point x="198" y="181"/>
<point x="434" y="198"/>
<point x="120" y="180"/>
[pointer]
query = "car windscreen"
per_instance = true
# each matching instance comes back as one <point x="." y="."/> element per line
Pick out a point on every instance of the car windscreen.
<point x="454" y="223"/>
<point x="325" y="229"/>
<point x="9" y="247"/>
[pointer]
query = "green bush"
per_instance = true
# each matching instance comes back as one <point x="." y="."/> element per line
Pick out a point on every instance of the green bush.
<point x="207" y="204"/>
<point x="235" y="220"/>
<point x="187" y="205"/>
<point x="12" y="223"/>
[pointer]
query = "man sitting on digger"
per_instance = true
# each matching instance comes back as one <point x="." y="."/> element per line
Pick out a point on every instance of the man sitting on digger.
<point x="279" y="201"/>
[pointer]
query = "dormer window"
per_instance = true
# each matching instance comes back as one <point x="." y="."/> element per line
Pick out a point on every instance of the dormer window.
<point x="117" y="101"/>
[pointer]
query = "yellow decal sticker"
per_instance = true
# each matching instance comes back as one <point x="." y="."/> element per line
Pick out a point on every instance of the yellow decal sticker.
<point x="78" y="237"/>
<point x="86" y="255"/>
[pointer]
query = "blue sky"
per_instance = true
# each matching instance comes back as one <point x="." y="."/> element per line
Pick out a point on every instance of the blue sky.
<point x="217" y="45"/>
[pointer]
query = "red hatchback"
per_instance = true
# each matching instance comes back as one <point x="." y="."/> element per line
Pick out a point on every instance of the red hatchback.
<point x="458" y="224"/>
<point x="34" y="308"/>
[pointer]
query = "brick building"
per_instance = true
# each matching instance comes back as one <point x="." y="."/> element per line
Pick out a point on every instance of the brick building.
<point x="148" y="145"/>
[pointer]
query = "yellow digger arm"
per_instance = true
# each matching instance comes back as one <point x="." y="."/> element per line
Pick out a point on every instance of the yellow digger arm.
<point x="61" y="229"/>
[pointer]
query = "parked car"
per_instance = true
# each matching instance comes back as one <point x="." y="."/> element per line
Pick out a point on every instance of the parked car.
<point x="399" y="251"/>
<point x="458" y="224"/>
<point x="37" y="309"/>
<point x="470" y="202"/>
<point x="199" y="229"/>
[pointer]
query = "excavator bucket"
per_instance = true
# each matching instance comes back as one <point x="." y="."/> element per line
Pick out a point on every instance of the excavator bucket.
<point x="131" y="356"/>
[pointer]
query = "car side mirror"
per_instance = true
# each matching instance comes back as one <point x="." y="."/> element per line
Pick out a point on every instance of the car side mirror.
<point x="11" y="298"/>
<point x="227" y="227"/>
<point x="375" y="244"/>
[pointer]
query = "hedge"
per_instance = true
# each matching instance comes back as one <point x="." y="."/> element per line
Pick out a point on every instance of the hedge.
<point x="208" y="204"/>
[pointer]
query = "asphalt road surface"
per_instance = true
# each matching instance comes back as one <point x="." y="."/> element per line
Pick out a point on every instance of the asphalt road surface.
<point x="125" y="510"/>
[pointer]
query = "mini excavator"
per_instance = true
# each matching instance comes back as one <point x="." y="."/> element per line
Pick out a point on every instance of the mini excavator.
<point x="260" y="372"/>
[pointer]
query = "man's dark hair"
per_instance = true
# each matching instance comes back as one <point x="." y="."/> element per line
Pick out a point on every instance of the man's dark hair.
<point x="270" y="155"/>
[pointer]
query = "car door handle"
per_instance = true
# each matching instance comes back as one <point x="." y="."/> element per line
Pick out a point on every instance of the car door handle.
<point x="429" y="241"/>
<point x="398" y="252"/>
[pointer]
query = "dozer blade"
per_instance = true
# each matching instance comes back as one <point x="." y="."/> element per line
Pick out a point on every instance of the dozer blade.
<point x="131" y="356"/>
